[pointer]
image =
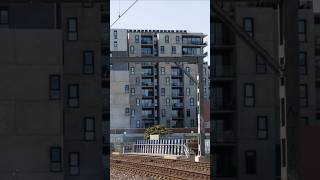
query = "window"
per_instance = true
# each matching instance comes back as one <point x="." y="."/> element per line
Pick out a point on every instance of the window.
<point x="138" y="124"/>
<point x="205" y="91"/>
<point x="167" y="101"/>
<point x="248" y="25"/>
<point x="283" y="112"/>
<point x="284" y="152"/>
<point x="89" y="129"/>
<point x="162" y="49"/>
<point x="131" y="49"/>
<point x="204" y="81"/>
<point x="131" y="70"/>
<point x="166" y="39"/>
<point x="303" y="95"/>
<point x="136" y="38"/>
<point x="262" y="127"/>
<point x="249" y="95"/>
<point x="74" y="163"/>
<point x="250" y="162"/>
<point x="168" y="123"/>
<point x="188" y="69"/>
<point x="72" y="29"/>
<point x="177" y="39"/>
<point x="191" y="101"/>
<point x="174" y="50"/>
<point x="88" y="65"/>
<point x="126" y="89"/>
<point x="115" y="34"/>
<point x="163" y="91"/>
<point x="54" y="88"/>
<point x="73" y="95"/>
<point x="163" y="71"/>
<point x="188" y="112"/>
<point x="302" y="30"/>
<point x="163" y="112"/>
<point x="115" y="44"/>
<point x="188" y="91"/>
<point x="4" y="16"/>
<point x="132" y="91"/>
<point x="205" y="71"/>
<point x="192" y="123"/>
<point x="167" y="80"/>
<point x="133" y="112"/>
<point x="303" y="66"/>
<point x="191" y="82"/>
<point x="138" y="102"/>
<point x="261" y="66"/>
<point x="55" y="159"/>
<point x="127" y="111"/>
<point x="137" y="80"/>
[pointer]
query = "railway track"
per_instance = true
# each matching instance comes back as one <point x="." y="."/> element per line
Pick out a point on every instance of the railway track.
<point x="153" y="169"/>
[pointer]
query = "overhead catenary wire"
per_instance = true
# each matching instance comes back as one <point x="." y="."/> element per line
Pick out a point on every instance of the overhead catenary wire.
<point x="124" y="12"/>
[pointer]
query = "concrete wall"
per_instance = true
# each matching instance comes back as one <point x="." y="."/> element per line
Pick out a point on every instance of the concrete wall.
<point x="122" y="40"/>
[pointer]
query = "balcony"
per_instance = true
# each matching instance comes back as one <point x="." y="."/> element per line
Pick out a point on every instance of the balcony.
<point x="177" y="83"/>
<point x="147" y="116"/>
<point x="176" y="73"/>
<point x="147" y="105"/>
<point x="224" y="137"/>
<point x="177" y="116"/>
<point x="146" y="64"/>
<point x="177" y="105"/>
<point x="223" y="71"/>
<point x="177" y="94"/>
<point x="147" y="84"/>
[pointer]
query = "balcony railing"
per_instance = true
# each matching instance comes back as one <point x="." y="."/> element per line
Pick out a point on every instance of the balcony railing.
<point x="146" y="64"/>
<point x="177" y="105"/>
<point x="223" y="137"/>
<point x="176" y="94"/>
<point x="223" y="71"/>
<point x="147" y="105"/>
<point x="177" y="84"/>
<point x="146" y="83"/>
<point x="176" y="73"/>
<point x="147" y="74"/>
<point x="177" y="116"/>
<point x="144" y="41"/>
<point x="147" y="95"/>
<point x="147" y="116"/>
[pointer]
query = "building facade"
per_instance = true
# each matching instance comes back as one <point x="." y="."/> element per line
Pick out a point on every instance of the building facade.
<point x="160" y="93"/>
<point x="245" y="97"/>
<point x="51" y="99"/>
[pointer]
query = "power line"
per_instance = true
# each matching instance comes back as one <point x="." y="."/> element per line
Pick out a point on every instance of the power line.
<point x="123" y="13"/>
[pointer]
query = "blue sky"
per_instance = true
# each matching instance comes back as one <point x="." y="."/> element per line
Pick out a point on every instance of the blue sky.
<point x="190" y="15"/>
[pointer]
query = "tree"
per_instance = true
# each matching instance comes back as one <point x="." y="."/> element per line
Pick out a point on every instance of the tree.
<point x="156" y="130"/>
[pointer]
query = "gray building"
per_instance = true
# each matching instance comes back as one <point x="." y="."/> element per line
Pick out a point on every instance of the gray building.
<point x="245" y="97"/>
<point x="51" y="110"/>
<point x="159" y="92"/>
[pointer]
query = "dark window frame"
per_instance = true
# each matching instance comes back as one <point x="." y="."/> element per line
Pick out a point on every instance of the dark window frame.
<point x="191" y="104"/>
<point x="53" y="90"/>
<point x="261" y="63"/>
<point x="304" y="32"/>
<point x="85" y="64"/>
<point x="305" y="97"/>
<point x="247" y="159"/>
<point x="77" y="97"/>
<point x="162" y="50"/>
<point x="166" y="38"/>
<point x="245" y="96"/>
<point x="177" y="39"/>
<point x="136" y="38"/>
<point x="89" y="131"/>
<point x="305" y="63"/>
<point x="174" y="50"/>
<point x="76" y="166"/>
<point x="72" y="31"/>
<point x="53" y="162"/>
<point x="244" y="21"/>
<point x="266" y="130"/>
<point x="8" y="16"/>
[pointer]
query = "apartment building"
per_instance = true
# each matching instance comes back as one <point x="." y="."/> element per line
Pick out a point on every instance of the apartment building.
<point x="51" y="106"/>
<point x="245" y="97"/>
<point x="159" y="93"/>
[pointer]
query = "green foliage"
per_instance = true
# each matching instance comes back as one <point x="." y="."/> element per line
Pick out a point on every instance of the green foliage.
<point x="156" y="130"/>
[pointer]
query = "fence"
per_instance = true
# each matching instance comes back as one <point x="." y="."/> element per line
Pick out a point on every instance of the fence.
<point x="162" y="146"/>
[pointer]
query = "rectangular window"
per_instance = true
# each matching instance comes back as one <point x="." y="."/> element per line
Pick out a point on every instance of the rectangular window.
<point x="115" y="44"/>
<point x="74" y="163"/>
<point x="163" y="112"/>
<point x="168" y="123"/>
<point x="132" y="91"/>
<point x="89" y="129"/>
<point x="188" y="112"/>
<point x="137" y="80"/>
<point x="261" y="66"/>
<point x="192" y="123"/>
<point x="115" y="34"/>
<point x="73" y="95"/>
<point x="88" y="62"/>
<point x="131" y="70"/>
<point x="302" y="30"/>
<point x="54" y="87"/>
<point x="174" y="50"/>
<point x="131" y="49"/>
<point x="4" y="16"/>
<point x="303" y="66"/>
<point x="162" y="49"/>
<point x="249" y="95"/>
<point x="163" y="71"/>
<point x="251" y="162"/>
<point x="303" y="95"/>
<point x="127" y="111"/>
<point x="188" y="91"/>
<point x="283" y="112"/>
<point x="248" y="25"/>
<point x="262" y="127"/>
<point x="72" y="32"/>
<point x="138" y="124"/>
<point x="137" y="102"/>
<point x="167" y="101"/>
<point x="126" y="89"/>
<point x="163" y="91"/>
<point x="136" y="38"/>
<point x="188" y="69"/>
<point x="133" y="112"/>
<point x="167" y="80"/>
<point x="191" y="101"/>
<point x="284" y="152"/>
<point x="166" y="39"/>
<point x="55" y="159"/>
<point x="177" y="39"/>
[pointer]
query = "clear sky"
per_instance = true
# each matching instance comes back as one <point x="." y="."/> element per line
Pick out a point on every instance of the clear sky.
<point x="190" y="15"/>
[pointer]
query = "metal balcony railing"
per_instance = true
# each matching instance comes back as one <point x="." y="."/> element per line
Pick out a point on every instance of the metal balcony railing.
<point x="144" y="41"/>
<point x="147" y="105"/>
<point x="146" y="83"/>
<point x="179" y="104"/>
<point x="147" y="73"/>
<point x="147" y="116"/>
<point x="176" y="73"/>
<point x="177" y="84"/>
<point x="147" y="95"/>
<point x="176" y="94"/>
